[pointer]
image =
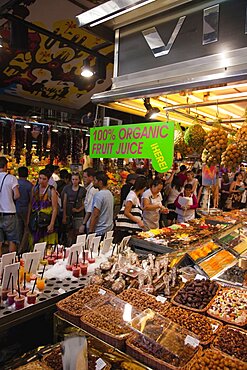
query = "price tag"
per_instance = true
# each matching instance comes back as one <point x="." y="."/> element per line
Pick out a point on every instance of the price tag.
<point x="214" y="327"/>
<point x="100" y="364"/>
<point x="161" y="299"/>
<point x="200" y="277"/>
<point x="102" y="291"/>
<point x="61" y="291"/>
<point x="191" y="341"/>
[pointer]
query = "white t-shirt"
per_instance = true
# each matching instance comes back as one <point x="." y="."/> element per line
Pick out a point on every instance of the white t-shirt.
<point x="7" y="204"/>
<point x="151" y="218"/>
<point x="88" y="202"/>
<point x="133" y="198"/>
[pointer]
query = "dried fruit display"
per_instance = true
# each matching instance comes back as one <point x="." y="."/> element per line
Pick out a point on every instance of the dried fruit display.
<point x="213" y="265"/>
<point x="179" y="143"/>
<point x="196" y="294"/>
<point x="194" y="137"/>
<point x="204" y="251"/>
<point x="233" y="342"/>
<point x="232" y="157"/>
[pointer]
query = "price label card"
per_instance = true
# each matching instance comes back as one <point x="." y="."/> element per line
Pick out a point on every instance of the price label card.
<point x="161" y="299"/>
<point x="102" y="291"/>
<point x="100" y="364"/>
<point x="200" y="277"/>
<point x="191" y="341"/>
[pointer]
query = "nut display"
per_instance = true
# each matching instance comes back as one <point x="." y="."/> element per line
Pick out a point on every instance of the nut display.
<point x="215" y="145"/>
<point x="210" y="360"/>
<point x="241" y="138"/>
<point x="230" y="305"/>
<point x="34" y="365"/>
<point x="194" y="137"/>
<point x="196" y="294"/>
<point x="203" y="327"/>
<point x="233" y="342"/>
<point x="141" y="300"/>
<point x="107" y="318"/>
<point x="74" y="304"/>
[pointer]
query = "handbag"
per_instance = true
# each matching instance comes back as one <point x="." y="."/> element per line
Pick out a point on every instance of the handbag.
<point x="39" y="219"/>
<point x="44" y="219"/>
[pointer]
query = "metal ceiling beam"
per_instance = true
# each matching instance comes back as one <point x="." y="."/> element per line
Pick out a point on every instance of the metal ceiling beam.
<point x="58" y="38"/>
<point x="9" y="5"/>
<point x="204" y="104"/>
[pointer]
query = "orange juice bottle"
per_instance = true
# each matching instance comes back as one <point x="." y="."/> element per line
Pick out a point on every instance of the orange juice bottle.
<point x="21" y="274"/>
<point x="28" y="277"/>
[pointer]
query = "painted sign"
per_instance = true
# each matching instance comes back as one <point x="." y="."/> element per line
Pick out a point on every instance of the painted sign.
<point x="145" y="140"/>
<point x="208" y="175"/>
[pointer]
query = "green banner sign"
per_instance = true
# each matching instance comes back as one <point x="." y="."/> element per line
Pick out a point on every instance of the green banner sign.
<point x="145" y="140"/>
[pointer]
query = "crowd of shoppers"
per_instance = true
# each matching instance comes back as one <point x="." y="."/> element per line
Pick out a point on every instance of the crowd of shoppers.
<point x="61" y="205"/>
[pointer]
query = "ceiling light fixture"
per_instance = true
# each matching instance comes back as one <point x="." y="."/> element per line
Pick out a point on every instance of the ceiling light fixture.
<point x="86" y="70"/>
<point x="109" y="10"/>
<point x="27" y="124"/>
<point x="152" y="112"/>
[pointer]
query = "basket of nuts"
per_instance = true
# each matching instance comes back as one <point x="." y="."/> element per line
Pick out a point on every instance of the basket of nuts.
<point x="141" y="300"/>
<point x="212" y="359"/>
<point x="203" y="327"/>
<point x="106" y="322"/>
<point x="232" y="341"/>
<point x="71" y="308"/>
<point x="196" y="295"/>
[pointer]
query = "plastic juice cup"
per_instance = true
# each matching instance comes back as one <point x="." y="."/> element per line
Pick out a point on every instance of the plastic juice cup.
<point x="86" y="254"/>
<point x="10" y="297"/>
<point x="19" y="301"/>
<point x="83" y="267"/>
<point x="31" y="297"/>
<point x="43" y="262"/>
<point x="69" y="267"/>
<point x="51" y="260"/>
<point x="40" y="284"/>
<point x="21" y="276"/>
<point x="4" y="294"/>
<point x="76" y="271"/>
<point x="91" y="260"/>
<point x="24" y="291"/>
<point x="28" y="277"/>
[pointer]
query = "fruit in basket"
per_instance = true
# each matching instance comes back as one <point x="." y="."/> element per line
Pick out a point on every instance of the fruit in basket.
<point x="194" y="137"/>
<point x="232" y="157"/>
<point x="215" y="145"/>
<point x="241" y="139"/>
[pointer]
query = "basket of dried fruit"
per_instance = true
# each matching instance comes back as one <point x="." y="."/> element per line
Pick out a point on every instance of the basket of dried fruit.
<point x="156" y="356"/>
<point x="229" y="305"/>
<point x="34" y="365"/>
<point x="212" y="359"/>
<point x="203" y="327"/>
<point x="106" y="322"/>
<point x="71" y="308"/>
<point x="141" y="300"/>
<point x="196" y="295"/>
<point x="232" y="341"/>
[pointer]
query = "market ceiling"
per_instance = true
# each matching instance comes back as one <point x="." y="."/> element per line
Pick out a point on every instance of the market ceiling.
<point x="48" y="72"/>
<point x="226" y="102"/>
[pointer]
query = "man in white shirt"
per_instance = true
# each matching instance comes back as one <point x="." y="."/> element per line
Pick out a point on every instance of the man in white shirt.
<point x="88" y="175"/>
<point x="9" y="192"/>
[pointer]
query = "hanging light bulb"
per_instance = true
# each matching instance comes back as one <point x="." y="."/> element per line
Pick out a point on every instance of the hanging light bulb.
<point x="152" y="112"/>
<point x="27" y="124"/>
<point x="86" y="70"/>
<point x="54" y="128"/>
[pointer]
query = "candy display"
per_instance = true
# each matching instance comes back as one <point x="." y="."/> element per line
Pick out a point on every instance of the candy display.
<point x="200" y="325"/>
<point x="204" y="251"/>
<point x="234" y="274"/>
<point x="210" y="360"/>
<point x="196" y="295"/>
<point x="230" y="306"/>
<point x="213" y="265"/>
<point x="232" y="341"/>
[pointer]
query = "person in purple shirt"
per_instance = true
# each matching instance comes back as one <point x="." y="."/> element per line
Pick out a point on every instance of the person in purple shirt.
<point x="23" y="207"/>
<point x="182" y="174"/>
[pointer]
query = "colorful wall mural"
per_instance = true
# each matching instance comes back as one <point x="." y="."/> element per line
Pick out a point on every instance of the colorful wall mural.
<point x="49" y="70"/>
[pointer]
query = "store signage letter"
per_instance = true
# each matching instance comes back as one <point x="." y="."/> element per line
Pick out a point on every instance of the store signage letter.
<point x="210" y="32"/>
<point x="145" y="140"/>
